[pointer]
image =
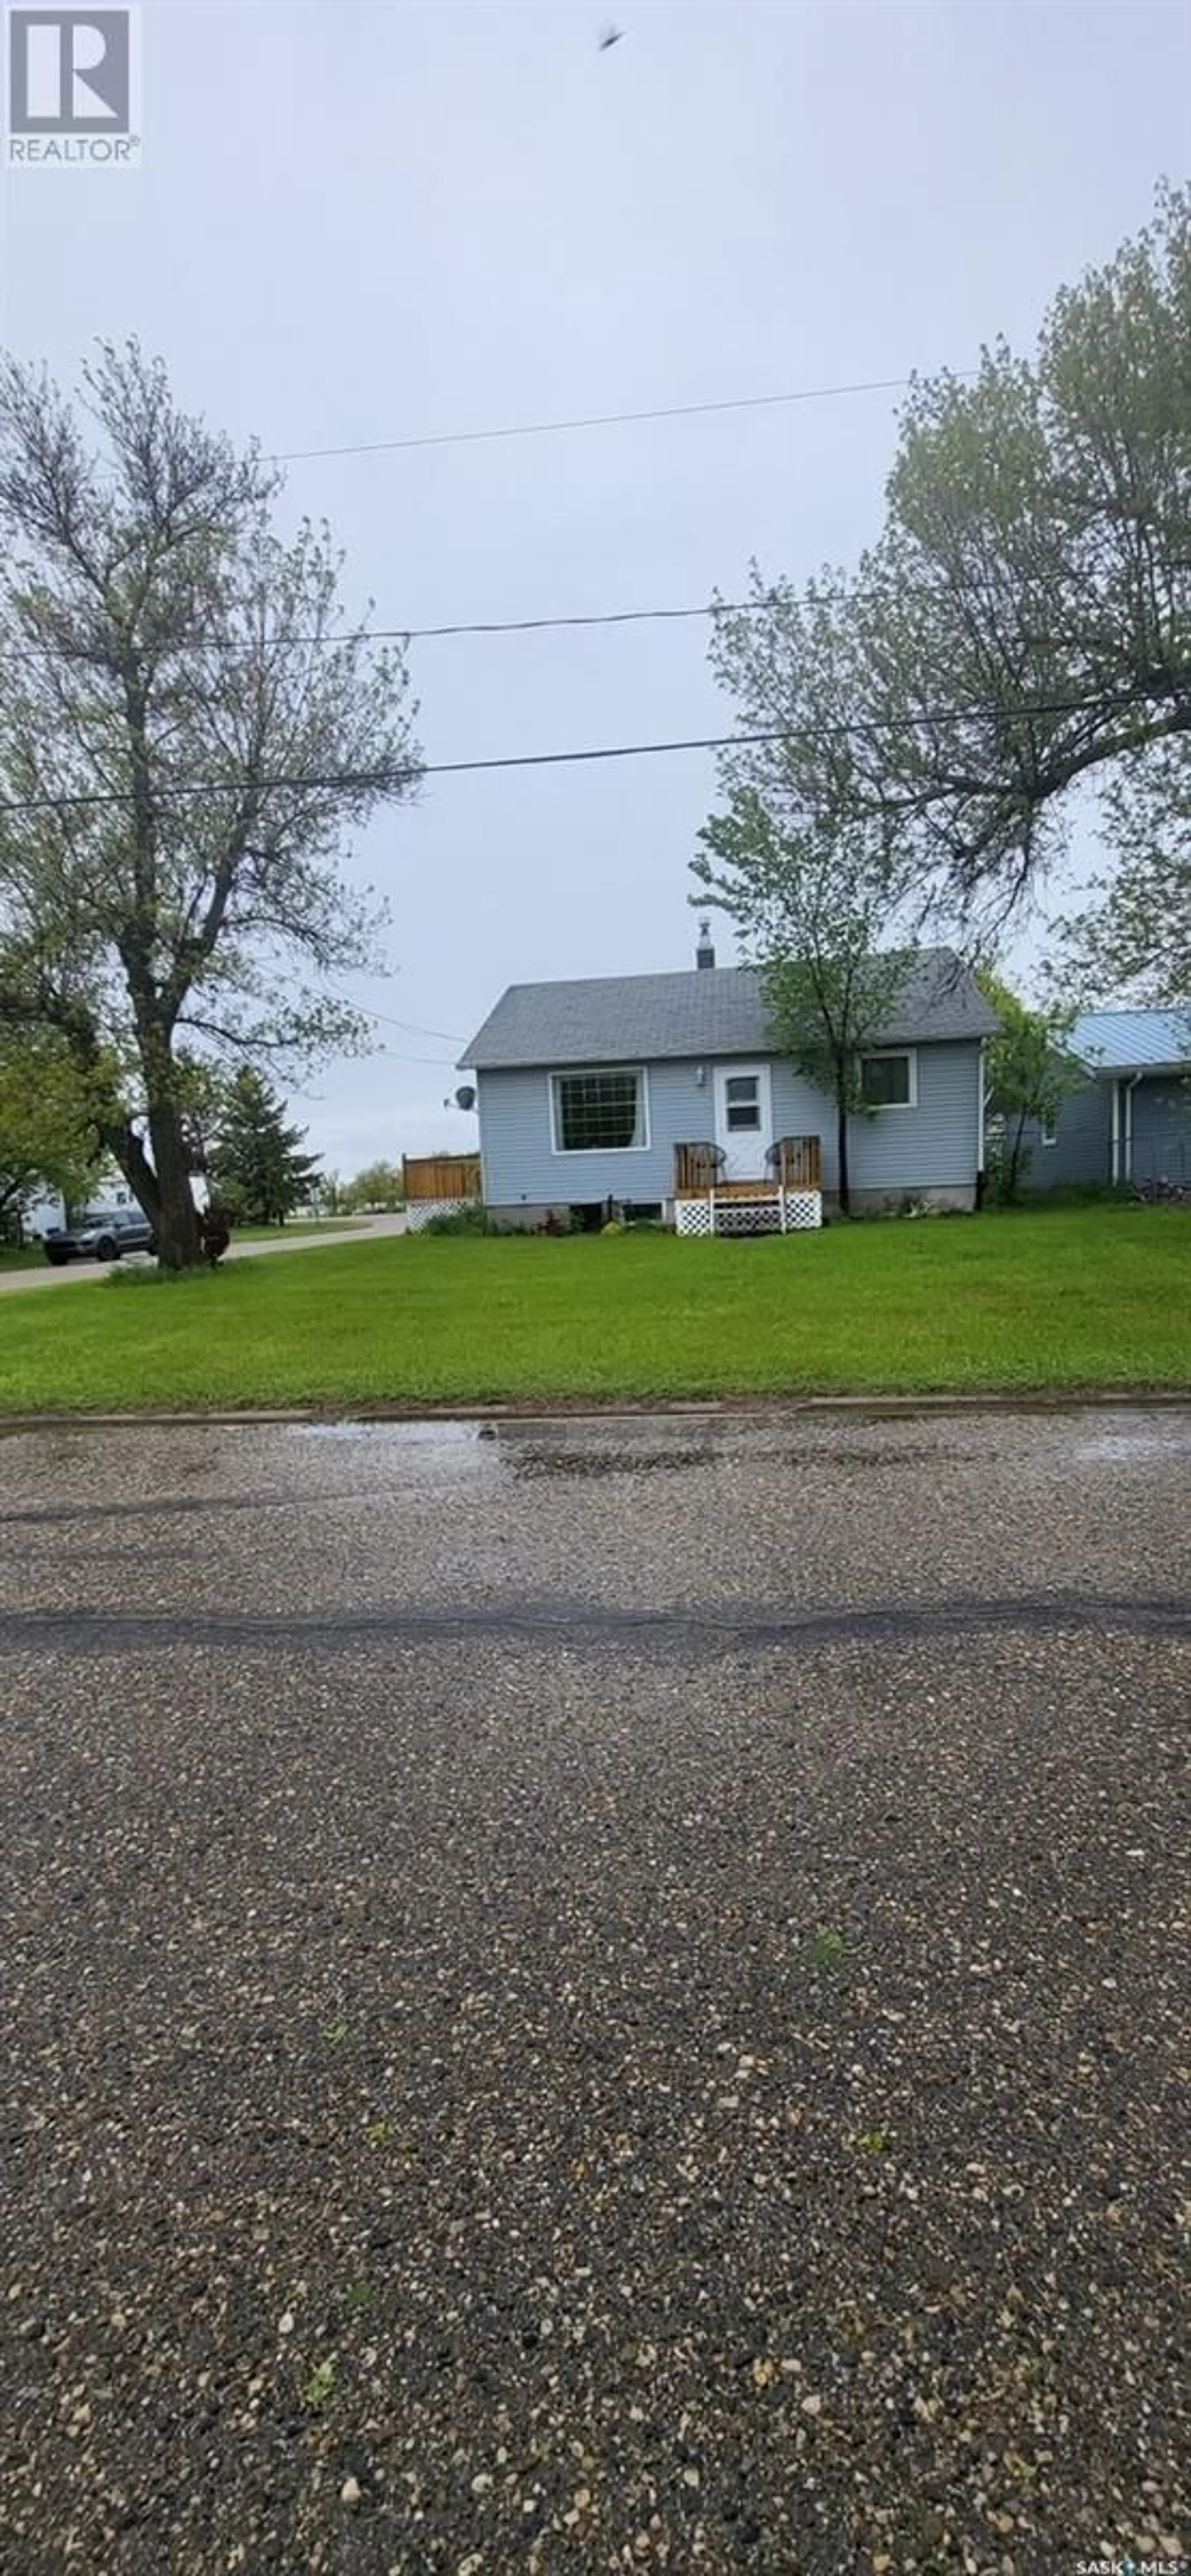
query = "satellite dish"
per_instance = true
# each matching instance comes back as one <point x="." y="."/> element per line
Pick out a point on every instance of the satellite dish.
<point x="465" y="1097"/>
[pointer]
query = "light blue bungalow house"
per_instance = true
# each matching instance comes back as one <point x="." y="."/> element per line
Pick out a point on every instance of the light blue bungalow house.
<point x="640" y="1093"/>
<point x="1130" y="1119"/>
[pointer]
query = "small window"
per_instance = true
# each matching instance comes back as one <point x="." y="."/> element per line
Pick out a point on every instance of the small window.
<point x="598" y="1113"/>
<point x="742" y="1095"/>
<point x="889" y="1081"/>
<point x="1047" y="1131"/>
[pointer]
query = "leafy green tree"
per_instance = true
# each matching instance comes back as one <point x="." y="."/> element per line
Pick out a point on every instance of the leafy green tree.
<point x="48" y="1126"/>
<point x="328" y="1193"/>
<point x="380" y="1185"/>
<point x="1027" y="613"/>
<point x="1133" y="942"/>
<point x="812" y="879"/>
<point x="1023" y="622"/>
<point x="1029" y="1072"/>
<point x="187" y="738"/>
<point x="256" y="1166"/>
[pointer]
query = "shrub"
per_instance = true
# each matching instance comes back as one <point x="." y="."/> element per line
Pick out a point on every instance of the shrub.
<point x="465" y="1220"/>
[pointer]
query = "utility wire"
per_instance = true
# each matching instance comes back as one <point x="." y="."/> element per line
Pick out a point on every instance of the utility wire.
<point x="594" y="420"/>
<point x="411" y="1028"/>
<point x="428" y="634"/>
<point x="382" y="778"/>
<point x="393" y="1055"/>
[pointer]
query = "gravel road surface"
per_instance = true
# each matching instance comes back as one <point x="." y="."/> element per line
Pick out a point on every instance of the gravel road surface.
<point x="595" y="1997"/>
<point x="47" y="1276"/>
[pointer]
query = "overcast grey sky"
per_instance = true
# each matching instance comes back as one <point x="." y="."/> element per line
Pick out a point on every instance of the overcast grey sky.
<point x="371" y="221"/>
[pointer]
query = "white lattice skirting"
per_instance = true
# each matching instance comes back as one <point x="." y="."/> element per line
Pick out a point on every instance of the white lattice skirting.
<point x="418" y="1212"/>
<point x="784" y="1212"/>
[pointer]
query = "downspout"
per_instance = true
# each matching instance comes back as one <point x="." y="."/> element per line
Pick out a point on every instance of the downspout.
<point x="1116" y="1132"/>
<point x="980" y="1116"/>
<point x="1130" y="1088"/>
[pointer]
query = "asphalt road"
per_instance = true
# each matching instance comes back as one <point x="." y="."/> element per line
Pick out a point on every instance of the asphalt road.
<point x="46" y="1276"/>
<point x="595" y="1997"/>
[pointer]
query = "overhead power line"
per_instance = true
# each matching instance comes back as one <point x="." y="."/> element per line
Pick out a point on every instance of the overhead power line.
<point x="430" y="634"/>
<point x="380" y="779"/>
<point x="393" y="1055"/>
<point x="604" y="617"/>
<point x="411" y="1028"/>
<point x="595" y="420"/>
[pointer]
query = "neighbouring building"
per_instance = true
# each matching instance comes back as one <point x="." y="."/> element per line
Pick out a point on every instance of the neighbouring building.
<point x="44" y="1213"/>
<point x="1129" y="1118"/>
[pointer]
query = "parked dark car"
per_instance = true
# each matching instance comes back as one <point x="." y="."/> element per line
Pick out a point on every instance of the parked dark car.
<point x="100" y="1238"/>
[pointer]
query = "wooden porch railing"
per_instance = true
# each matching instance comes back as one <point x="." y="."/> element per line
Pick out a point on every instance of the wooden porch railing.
<point x="793" y="1163"/>
<point x="441" y="1176"/>
<point x="696" y="1167"/>
<point x="797" y="1162"/>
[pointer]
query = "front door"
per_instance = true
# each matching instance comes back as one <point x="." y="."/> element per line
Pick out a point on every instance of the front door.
<point x="743" y="1125"/>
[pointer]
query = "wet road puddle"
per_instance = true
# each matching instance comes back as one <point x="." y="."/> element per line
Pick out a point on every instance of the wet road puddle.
<point x="1129" y="1448"/>
<point x="584" y="1453"/>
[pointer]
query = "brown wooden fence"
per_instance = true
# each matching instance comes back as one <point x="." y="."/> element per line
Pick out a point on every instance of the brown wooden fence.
<point x="441" y="1176"/>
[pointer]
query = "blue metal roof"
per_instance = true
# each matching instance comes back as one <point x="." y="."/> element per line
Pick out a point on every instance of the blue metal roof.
<point x="1131" y="1041"/>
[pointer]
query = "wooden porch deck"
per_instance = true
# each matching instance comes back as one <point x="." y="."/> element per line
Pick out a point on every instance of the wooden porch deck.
<point x="786" y="1198"/>
<point x="734" y="1190"/>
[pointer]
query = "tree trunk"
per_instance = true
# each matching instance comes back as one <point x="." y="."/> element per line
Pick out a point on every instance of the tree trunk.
<point x="176" y="1220"/>
<point x="841" y="1137"/>
<point x="1013" y="1166"/>
<point x="125" y="1147"/>
<point x="170" y="1209"/>
<point x="173" y="1213"/>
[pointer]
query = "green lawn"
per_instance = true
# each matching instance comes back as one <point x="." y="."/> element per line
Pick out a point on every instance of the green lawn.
<point x="1066" y="1298"/>
<point x="29" y="1256"/>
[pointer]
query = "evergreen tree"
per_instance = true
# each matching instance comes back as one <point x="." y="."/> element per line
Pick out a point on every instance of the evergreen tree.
<point x="257" y="1167"/>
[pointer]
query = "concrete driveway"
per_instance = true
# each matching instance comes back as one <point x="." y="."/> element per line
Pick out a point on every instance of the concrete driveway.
<point x="366" y="1231"/>
<point x="595" y="1996"/>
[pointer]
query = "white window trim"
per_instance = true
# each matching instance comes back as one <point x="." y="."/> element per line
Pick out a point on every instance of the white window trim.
<point x="888" y="1108"/>
<point x="1048" y="1131"/>
<point x="570" y="1072"/>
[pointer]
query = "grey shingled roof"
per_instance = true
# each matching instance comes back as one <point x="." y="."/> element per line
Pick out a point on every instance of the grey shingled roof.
<point x="710" y="1011"/>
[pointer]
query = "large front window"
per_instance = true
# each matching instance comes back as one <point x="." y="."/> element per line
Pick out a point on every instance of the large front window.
<point x="598" y="1113"/>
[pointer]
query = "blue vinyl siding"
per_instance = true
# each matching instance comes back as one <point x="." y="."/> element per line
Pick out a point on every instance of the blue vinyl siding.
<point x="1162" y="1130"/>
<point x="1159" y="1109"/>
<point x="1081" y="1156"/>
<point x="517" y="1141"/>
<point x="933" y="1145"/>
